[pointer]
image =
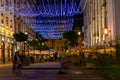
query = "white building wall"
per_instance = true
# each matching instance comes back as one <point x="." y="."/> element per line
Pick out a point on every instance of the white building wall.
<point x="111" y="19"/>
<point x="97" y="17"/>
<point x="117" y="18"/>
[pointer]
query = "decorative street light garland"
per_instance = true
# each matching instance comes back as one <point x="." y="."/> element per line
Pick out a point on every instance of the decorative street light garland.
<point x="50" y="18"/>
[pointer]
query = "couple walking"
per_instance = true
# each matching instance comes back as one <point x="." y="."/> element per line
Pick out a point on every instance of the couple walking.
<point x="17" y="63"/>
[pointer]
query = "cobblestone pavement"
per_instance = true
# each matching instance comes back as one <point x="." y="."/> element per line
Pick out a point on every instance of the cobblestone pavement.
<point x="31" y="74"/>
<point x="86" y="75"/>
<point x="47" y="73"/>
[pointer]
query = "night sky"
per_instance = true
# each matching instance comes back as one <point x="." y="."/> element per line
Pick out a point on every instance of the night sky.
<point x="78" y="21"/>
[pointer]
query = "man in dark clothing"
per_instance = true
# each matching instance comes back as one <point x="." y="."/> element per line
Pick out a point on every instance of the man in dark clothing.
<point x="17" y="61"/>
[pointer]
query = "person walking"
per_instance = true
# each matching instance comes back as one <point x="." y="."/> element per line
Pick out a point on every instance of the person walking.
<point x="17" y="63"/>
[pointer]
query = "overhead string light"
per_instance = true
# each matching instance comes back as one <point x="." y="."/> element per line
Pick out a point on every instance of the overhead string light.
<point x="50" y="18"/>
<point x="50" y="7"/>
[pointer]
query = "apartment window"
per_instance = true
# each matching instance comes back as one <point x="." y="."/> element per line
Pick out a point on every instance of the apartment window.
<point x="7" y="21"/>
<point x="18" y="4"/>
<point x="19" y="28"/>
<point x="2" y="18"/>
<point x="104" y="3"/>
<point x="11" y="24"/>
<point x="7" y="0"/>
<point x="15" y="1"/>
<point x="2" y="3"/>
<point x="23" y="1"/>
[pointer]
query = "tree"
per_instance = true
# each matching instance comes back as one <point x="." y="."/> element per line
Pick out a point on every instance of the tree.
<point x="42" y="47"/>
<point x="65" y="45"/>
<point x="20" y="37"/>
<point x="33" y="43"/>
<point x="71" y="37"/>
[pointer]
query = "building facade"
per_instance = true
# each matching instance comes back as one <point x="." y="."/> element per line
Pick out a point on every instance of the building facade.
<point x="6" y="30"/>
<point x="98" y="15"/>
<point x="11" y="23"/>
<point x="22" y="26"/>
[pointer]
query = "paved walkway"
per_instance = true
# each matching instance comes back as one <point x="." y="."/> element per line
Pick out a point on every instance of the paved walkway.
<point x="45" y="65"/>
<point x="85" y="75"/>
<point x="47" y="71"/>
<point x="37" y="71"/>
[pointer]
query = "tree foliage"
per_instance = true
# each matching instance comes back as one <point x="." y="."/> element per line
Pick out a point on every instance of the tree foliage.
<point x="43" y="47"/>
<point x="71" y="36"/>
<point x="20" y="37"/>
<point x="66" y="45"/>
<point x="38" y="45"/>
<point x="33" y="43"/>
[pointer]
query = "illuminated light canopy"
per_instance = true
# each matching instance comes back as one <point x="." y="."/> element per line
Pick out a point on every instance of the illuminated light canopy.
<point x="50" y="18"/>
<point x="48" y="7"/>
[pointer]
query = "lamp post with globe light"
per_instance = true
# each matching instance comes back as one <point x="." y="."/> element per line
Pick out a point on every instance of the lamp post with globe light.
<point x="79" y="33"/>
<point x="105" y="32"/>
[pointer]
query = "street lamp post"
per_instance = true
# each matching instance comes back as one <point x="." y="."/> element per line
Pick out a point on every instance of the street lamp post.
<point x="79" y="46"/>
<point x="79" y="33"/>
<point x="97" y="37"/>
<point x="25" y="44"/>
<point x="105" y="32"/>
